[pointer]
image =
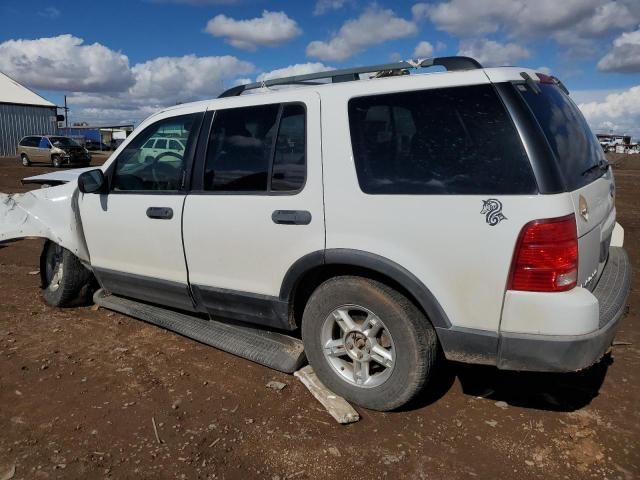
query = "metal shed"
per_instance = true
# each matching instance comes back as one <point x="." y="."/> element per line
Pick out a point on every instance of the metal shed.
<point x="22" y="112"/>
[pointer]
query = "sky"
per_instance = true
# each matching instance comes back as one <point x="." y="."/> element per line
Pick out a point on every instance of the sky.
<point x="121" y="60"/>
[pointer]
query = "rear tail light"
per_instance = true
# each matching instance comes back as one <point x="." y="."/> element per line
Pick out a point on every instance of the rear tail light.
<point x="546" y="256"/>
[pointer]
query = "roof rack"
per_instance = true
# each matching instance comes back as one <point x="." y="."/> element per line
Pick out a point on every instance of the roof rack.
<point x="351" y="74"/>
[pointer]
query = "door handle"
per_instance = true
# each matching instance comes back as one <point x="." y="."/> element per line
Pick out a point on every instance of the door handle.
<point x="161" y="213"/>
<point x="291" y="217"/>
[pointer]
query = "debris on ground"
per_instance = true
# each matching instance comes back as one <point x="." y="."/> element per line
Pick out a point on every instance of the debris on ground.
<point x="337" y="406"/>
<point x="277" y="386"/>
<point x="9" y="474"/>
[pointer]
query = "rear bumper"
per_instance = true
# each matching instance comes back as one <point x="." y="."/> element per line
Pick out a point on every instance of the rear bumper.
<point x="562" y="353"/>
<point x="550" y="353"/>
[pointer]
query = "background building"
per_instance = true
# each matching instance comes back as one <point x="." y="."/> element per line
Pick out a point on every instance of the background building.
<point x="22" y="112"/>
<point x="108" y="135"/>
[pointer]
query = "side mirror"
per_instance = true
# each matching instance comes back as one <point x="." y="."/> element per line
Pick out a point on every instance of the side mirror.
<point x="91" y="181"/>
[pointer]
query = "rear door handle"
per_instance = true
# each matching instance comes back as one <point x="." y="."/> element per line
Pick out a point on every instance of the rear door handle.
<point x="291" y="217"/>
<point x="161" y="213"/>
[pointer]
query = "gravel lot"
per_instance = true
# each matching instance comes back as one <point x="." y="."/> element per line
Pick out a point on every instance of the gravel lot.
<point x="79" y="390"/>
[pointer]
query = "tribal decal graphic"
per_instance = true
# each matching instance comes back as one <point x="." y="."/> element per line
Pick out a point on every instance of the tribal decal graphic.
<point x="492" y="208"/>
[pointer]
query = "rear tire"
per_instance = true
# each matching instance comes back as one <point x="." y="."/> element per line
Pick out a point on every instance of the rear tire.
<point x="63" y="277"/>
<point x="25" y="160"/>
<point x="56" y="161"/>
<point x="352" y="321"/>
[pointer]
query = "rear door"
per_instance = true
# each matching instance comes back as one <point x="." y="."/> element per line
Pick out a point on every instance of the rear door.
<point x="582" y="164"/>
<point x="257" y="206"/>
<point x="134" y="232"/>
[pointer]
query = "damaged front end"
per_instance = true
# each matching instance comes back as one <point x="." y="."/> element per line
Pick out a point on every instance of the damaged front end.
<point x="50" y="213"/>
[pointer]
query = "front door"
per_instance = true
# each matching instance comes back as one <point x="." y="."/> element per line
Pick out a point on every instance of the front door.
<point x="256" y="206"/>
<point x="133" y="232"/>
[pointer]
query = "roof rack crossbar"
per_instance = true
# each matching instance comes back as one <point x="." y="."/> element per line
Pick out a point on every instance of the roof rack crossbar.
<point x="348" y="74"/>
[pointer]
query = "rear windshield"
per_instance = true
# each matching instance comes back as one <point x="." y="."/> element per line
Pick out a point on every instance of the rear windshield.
<point x="441" y="141"/>
<point x="573" y="143"/>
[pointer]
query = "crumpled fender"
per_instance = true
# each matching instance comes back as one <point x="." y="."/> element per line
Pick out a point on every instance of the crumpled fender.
<point x="51" y="213"/>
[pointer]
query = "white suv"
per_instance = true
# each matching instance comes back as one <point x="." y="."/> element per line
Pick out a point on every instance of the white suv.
<point x="387" y="220"/>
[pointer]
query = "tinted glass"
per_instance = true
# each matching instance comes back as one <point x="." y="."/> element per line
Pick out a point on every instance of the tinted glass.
<point x="443" y="141"/>
<point x="161" y="144"/>
<point x="30" y="142"/>
<point x="289" y="163"/>
<point x="240" y="147"/>
<point x="175" y="145"/>
<point x="44" y="143"/>
<point x="575" y="146"/>
<point x="149" y="144"/>
<point x="63" y="142"/>
<point x="141" y="169"/>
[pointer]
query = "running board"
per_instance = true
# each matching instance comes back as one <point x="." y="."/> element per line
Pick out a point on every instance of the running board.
<point x="271" y="349"/>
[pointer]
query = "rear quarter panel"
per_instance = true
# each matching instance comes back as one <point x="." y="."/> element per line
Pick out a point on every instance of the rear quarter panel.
<point x="444" y="240"/>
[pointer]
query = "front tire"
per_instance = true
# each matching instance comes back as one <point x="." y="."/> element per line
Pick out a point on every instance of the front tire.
<point x="56" y="160"/>
<point x="368" y="343"/>
<point x="63" y="276"/>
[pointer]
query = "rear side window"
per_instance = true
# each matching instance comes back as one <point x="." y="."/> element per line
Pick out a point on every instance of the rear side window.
<point x="30" y="142"/>
<point x="573" y="143"/>
<point x="443" y="141"/>
<point x="289" y="160"/>
<point x="257" y="149"/>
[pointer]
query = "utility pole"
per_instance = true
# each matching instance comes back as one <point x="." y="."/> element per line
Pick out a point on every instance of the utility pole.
<point x="66" y="113"/>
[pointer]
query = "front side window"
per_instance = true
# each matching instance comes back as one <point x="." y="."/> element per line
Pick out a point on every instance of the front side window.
<point x="139" y="167"/>
<point x="442" y="141"/>
<point x="257" y="149"/>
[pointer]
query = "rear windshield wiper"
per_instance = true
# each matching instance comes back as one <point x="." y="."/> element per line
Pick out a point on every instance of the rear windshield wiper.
<point x="601" y="165"/>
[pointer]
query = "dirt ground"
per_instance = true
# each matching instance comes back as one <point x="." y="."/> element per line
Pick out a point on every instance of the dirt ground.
<point x="80" y="390"/>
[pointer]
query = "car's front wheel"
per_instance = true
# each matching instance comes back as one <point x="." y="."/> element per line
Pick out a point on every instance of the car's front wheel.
<point x="368" y="343"/>
<point x="63" y="276"/>
<point x="56" y="160"/>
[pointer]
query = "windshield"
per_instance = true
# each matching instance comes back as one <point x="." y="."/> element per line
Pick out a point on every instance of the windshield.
<point x="573" y="143"/>
<point x="63" y="142"/>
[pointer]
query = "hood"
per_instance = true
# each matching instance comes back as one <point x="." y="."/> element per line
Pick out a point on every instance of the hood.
<point x="44" y="213"/>
<point x="56" y="178"/>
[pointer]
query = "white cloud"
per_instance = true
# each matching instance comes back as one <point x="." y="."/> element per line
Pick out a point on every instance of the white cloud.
<point x="423" y="50"/>
<point x="374" y="26"/>
<point x="297" y="69"/>
<point x="571" y="23"/>
<point x="65" y="63"/>
<point x="624" y="56"/>
<point x="184" y="78"/>
<point x="324" y="6"/>
<point x="50" y="12"/>
<point x="159" y="83"/>
<point x="491" y="53"/>
<point x="618" y="111"/>
<point x="269" y="30"/>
